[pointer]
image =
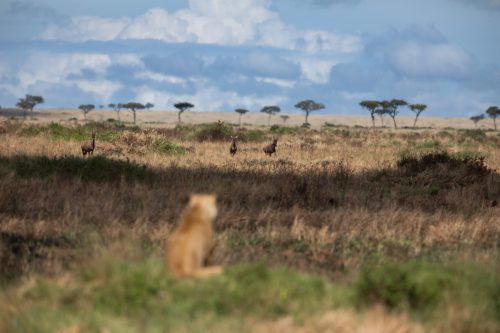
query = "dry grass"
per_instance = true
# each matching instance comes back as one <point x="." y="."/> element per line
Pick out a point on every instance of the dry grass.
<point x="331" y="200"/>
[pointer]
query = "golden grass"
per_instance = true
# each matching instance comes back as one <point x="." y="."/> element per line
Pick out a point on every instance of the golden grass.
<point x="331" y="200"/>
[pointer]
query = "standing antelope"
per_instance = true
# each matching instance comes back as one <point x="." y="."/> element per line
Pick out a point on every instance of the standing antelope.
<point x="271" y="148"/>
<point x="88" y="146"/>
<point x="233" y="149"/>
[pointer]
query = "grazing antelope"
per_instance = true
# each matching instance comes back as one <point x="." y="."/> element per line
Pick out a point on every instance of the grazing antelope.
<point x="88" y="146"/>
<point x="271" y="148"/>
<point x="233" y="149"/>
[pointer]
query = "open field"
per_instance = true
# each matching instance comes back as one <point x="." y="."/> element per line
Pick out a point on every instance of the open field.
<point x="346" y="229"/>
<point x="169" y="118"/>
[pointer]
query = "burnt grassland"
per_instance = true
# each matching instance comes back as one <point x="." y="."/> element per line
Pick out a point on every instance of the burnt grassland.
<point x="344" y="225"/>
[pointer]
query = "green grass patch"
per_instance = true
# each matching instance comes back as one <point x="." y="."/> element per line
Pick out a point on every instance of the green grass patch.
<point x="106" y="131"/>
<point x="167" y="147"/>
<point x="143" y="296"/>
<point x="423" y="286"/>
<point x="96" y="168"/>
<point x="277" y="129"/>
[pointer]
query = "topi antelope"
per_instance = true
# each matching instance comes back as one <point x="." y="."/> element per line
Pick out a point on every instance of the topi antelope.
<point x="271" y="148"/>
<point x="88" y="146"/>
<point x="233" y="149"/>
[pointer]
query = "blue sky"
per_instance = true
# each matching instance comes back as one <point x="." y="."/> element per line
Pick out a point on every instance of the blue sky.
<point x="226" y="54"/>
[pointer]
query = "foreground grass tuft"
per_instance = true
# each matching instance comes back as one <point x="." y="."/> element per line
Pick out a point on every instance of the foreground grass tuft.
<point x="143" y="295"/>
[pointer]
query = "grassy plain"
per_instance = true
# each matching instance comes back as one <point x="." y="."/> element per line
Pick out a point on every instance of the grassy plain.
<point x="346" y="229"/>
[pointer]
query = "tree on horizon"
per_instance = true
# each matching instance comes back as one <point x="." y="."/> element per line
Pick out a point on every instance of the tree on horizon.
<point x="418" y="109"/>
<point x="241" y="112"/>
<point x="86" y="108"/>
<point x="372" y="107"/>
<point x="183" y="106"/>
<point x="284" y="117"/>
<point x="29" y="102"/>
<point x="476" y="119"/>
<point x="309" y="106"/>
<point x="391" y="108"/>
<point x="271" y="110"/>
<point x="493" y="112"/>
<point x="133" y="107"/>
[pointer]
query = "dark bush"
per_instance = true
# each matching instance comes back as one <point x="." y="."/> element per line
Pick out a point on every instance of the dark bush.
<point x="214" y="132"/>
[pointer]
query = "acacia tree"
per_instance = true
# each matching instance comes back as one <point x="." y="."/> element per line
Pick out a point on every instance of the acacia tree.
<point x="149" y="106"/>
<point x="133" y="107"/>
<point x="372" y="107"/>
<point x="241" y="112"/>
<point x="493" y="112"/>
<point x="184" y="106"/>
<point x="476" y="119"/>
<point x="117" y="108"/>
<point x="86" y="108"/>
<point x="418" y="109"/>
<point x="29" y="102"/>
<point x="284" y="117"/>
<point x="391" y="108"/>
<point x="309" y="106"/>
<point x="271" y="110"/>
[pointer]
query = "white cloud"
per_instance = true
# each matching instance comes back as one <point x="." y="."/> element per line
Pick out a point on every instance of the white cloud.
<point x="222" y="22"/>
<point x="148" y="75"/>
<point x="85" y="28"/>
<point x="54" y="68"/>
<point x="206" y="98"/>
<point x="317" y="70"/>
<point x="431" y="60"/>
<point x="276" y="82"/>
<point x="103" y="89"/>
<point x="63" y="69"/>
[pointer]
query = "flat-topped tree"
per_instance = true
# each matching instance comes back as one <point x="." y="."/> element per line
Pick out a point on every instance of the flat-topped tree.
<point x="493" y="112"/>
<point x="133" y="107"/>
<point x="391" y="108"/>
<point x="418" y="109"/>
<point x="29" y="102"/>
<point x="309" y="106"/>
<point x="183" y="106"/>
<point x="270" y="110"/>
<point x="284" y="117"/>
<point x="117" y="108"/>
<point x="86" y="108"/>
<point x="149" y="106"/>
<point x="241" y="112"/>
<point x="372" y="107"/>
<point x="476" y="119"/>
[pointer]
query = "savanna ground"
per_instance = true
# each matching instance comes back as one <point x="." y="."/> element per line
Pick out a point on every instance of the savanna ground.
<point x="346" y="229"/>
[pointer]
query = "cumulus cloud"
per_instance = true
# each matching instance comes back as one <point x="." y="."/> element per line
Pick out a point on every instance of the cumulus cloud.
<point x="207" y="98"/>
<point x="431" y="60"/>
<point x="421" y="52"/>
<point x="221" y="22"/>
<point x="44" y="69"/>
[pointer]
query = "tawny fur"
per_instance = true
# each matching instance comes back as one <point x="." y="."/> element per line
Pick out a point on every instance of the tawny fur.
<point x="89" y="146"/>
<point x="233" y="149"/>
<point x="271" y="148"/>
<point x="189" y="247"/>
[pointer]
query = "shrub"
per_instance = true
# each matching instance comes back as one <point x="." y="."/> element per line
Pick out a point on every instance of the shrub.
<point x="418" y="163"/>
<point x="165" y="146"/>
<point x="214" y="132"/>
<point x="475" y="134"/>
<point x="252" y="135"/>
